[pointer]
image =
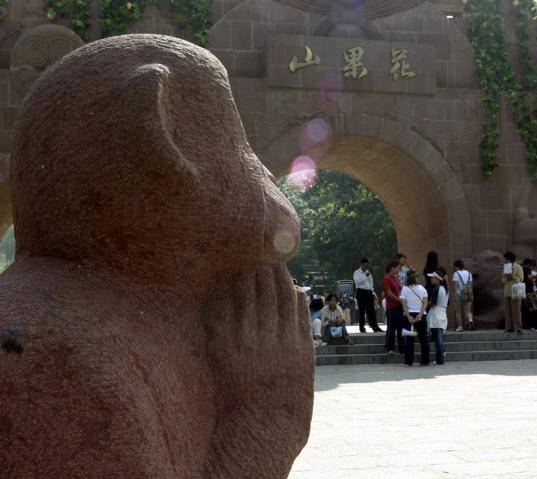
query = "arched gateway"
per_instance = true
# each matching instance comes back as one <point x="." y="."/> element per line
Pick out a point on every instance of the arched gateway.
<point x="419" y="190"/>
<point x="392" y="87"/>
<point x="393" y="82"/>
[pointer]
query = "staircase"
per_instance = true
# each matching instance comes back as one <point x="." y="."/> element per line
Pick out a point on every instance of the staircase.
<point x="466" y="346"/>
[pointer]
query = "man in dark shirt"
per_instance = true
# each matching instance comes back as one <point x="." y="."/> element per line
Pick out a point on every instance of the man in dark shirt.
<point x="394" y="310"/>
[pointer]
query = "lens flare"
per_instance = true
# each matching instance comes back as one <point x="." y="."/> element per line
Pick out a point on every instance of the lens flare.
<point x="316" y="137"/>
<point x="303" y="173"/>
<point x="284" y="242"/>
<point x="330" y="86"/>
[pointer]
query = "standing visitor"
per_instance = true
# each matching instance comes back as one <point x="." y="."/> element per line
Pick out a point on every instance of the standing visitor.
<point x="431" y="265"/>
<point x="346" y="303"/>
<point x="392" y="290"/>
<point x="437" y="315"/>
<point x="315" y="307"/>
<point x="334" y="322"/>
<point x="405" y="268"/>
<point x="529" y="305"/>
<point x="513" y="275"/>
<point x="365" y="295"/>
<point x="414" y="302"/>
<point x="464" y="296"/>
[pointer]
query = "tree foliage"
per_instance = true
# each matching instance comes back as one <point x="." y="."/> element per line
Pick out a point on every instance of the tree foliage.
<point x="341" y="222"/>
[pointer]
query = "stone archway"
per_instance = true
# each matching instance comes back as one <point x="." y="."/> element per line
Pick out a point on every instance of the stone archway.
<point x="409" y="174"/>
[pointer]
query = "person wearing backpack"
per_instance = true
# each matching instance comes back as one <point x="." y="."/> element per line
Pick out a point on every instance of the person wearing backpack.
<point x="464" y="295"/>
<point x="414" y="300"/>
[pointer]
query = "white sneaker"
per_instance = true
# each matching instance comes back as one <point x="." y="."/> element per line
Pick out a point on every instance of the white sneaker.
<point x="459" y="329"/>
<point x="322" y="344"/>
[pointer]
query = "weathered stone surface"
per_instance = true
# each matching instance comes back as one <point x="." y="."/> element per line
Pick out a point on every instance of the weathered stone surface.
<point x="487" y="268"/>
<point x="36" y="50"/>
<point x="149" y="327"/>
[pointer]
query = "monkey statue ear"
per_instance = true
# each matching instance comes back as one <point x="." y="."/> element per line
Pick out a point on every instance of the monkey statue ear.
<point x="149" y="89"/>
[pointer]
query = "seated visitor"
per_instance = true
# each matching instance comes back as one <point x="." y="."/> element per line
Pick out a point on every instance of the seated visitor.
<point x="437" y="315"/>
<point x="414" y="301"/>
<point x="334" y="321"/>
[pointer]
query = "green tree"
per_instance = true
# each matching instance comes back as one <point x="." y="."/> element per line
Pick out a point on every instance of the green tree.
<point x="341" y="222"/>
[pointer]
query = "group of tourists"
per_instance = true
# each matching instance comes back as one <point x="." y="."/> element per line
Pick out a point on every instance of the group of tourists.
<point x="415" y="311"/>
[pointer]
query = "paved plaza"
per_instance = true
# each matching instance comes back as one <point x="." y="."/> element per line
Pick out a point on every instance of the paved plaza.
<point x="460" y="420"/>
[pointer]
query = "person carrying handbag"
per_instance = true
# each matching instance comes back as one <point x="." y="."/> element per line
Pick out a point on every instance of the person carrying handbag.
<point x="514" y="292"/>
<point x="464" y="295"/>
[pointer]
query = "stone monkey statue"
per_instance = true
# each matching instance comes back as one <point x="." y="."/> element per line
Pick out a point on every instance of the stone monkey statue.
<point x="135" y="194"/>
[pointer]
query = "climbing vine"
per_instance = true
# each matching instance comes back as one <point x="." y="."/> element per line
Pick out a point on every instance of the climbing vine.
<point x="76" y="9"/>
<point x="486" y="32"/>
<point x="115" y="15"/>
<point x="523" y="14"/>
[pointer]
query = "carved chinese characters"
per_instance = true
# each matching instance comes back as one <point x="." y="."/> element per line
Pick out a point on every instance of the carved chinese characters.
<point x="308" y="62"/>
<point x="355" y="66"/>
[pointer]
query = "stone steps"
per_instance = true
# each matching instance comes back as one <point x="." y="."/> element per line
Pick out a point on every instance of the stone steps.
<point x="467" y="346"/>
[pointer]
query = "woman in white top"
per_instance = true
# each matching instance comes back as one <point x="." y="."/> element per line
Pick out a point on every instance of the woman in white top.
<point x="462" y="281"/>
<point x="414" y="300"/>
<point x="334" y="321"/>
<point x="437" y="317"/>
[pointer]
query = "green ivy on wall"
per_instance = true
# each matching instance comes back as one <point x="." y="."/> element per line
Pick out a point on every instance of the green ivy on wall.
<point x="486" y="32"/>
<point x="77" y="9"/>
<point x="115" y="15"/>
<point x="523" y="16"/>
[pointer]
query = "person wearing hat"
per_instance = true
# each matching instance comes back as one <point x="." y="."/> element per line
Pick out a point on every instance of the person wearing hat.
<point x="437" y="317"/>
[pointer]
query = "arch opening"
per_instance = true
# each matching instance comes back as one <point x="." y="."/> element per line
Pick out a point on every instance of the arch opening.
<point x="412" y="198"/>
<point x="342" y="222"/>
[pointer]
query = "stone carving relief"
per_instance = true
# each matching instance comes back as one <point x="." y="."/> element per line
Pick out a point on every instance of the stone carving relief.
<point x="487" y="268"/>
<point x="525" y="230"/>
<point x="29" y="13"/>
<point x="36" y="50"/>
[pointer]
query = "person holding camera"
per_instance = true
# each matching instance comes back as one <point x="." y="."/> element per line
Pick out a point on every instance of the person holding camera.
<point x="365" y="296"/>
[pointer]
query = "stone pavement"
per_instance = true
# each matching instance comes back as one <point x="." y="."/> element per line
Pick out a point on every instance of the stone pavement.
<point x="460" y="420"/>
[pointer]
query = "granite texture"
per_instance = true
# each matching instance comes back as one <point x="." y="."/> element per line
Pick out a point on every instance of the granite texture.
<point x="149" y="326"/>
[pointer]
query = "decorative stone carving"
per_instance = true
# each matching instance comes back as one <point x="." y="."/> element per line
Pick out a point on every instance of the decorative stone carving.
<point x="29" y="13"/>
<point x="487" y="268"/>
<point x="369" y="9"/>
<point x="36" y="50"/>
<point x="163" y="337"/>
<point x="153" y="21"/>
<point x="525" y="230"/>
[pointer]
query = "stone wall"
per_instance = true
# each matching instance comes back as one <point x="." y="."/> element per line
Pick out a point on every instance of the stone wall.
<point x="441" y="112"/>
<point x="276" y="107"/>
